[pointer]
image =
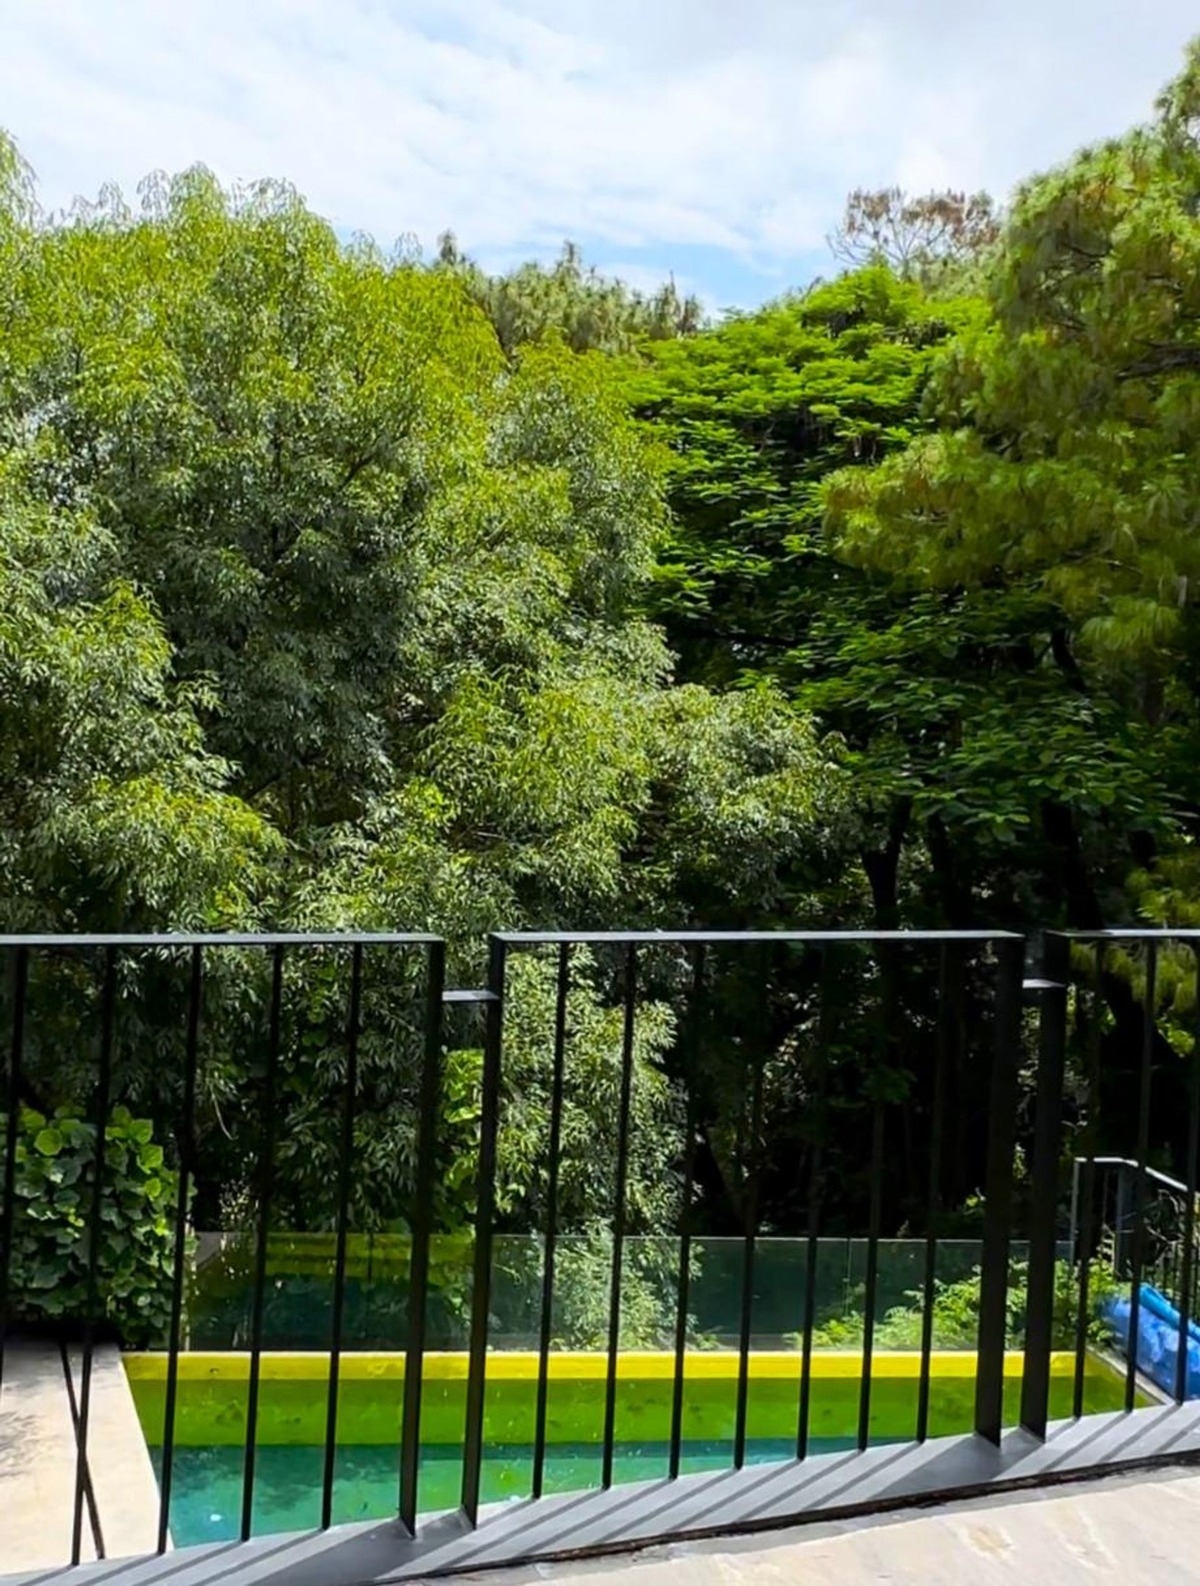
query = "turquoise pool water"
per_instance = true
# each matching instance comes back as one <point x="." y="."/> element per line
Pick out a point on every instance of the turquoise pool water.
<point x="206" y="1497"/>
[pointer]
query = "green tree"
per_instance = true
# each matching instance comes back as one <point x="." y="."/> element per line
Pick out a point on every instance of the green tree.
<point x="372" y="584"/>
<point x="933" y="237"/>
<point x="1058" y="468"/>
<point x="113" y="812"/>
<point x="970" y="745"/>
<point x="1058" y="472"/>
<point x="981" y="775"/>
<point x="589" y="311"/>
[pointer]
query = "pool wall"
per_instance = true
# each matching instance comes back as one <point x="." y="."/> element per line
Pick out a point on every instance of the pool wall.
<point x="213" y="1392"/>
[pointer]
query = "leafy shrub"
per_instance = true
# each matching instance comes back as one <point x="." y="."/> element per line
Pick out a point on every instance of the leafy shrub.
<point x="584" y="1292"/>
<point x="956" y="1312"/>
<point x="54" y="1179"/>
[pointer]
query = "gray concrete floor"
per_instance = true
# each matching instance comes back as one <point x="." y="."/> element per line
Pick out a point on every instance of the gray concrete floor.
<point x="1137" y="1529"/>
<point x="1134" y="1529"/>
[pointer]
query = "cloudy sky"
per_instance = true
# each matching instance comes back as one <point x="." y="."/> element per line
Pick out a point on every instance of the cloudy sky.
<point x="715" y="139"/>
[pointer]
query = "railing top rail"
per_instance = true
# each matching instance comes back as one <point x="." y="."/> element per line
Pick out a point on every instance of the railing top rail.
<point x="1133" y="933"/>
<point x="1131" y="1162"/>
<point x="534" y="938"/>
<point x="226" y="939"/>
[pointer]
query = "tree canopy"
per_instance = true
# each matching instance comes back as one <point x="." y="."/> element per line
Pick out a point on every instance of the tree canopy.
<point x="1067" y="420"/>
<point x="931" y="236"/>
<point x="935" y="693"/>
<point x="570" y="300"/>
<point x="392" y="575"/>
<point x="1057" y="468"/>
<point x="324" y="607"/>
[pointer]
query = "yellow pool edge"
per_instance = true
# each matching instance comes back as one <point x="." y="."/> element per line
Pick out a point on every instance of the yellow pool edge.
<point x="565" y="1366"/>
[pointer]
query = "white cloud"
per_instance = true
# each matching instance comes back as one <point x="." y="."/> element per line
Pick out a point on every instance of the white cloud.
<point x="638" y="124"/>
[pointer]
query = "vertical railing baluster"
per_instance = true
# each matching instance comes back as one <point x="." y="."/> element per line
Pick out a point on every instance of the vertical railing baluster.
<point x="1187" y="1257"/>
<point x="817" y="1111"/>
<point x="547" y="1317"/>
<point x="428" y="1102"/>
<point x="1043" y="1242"/>
<point x="619" y="1216"/>
<point x="19" y="959"/>
<point x="266" y="1183"/>
<point x="871" y="1284"/>
<point x="484" y="1215"/>
<point x="1139" y="1184"/>
<point x="749" y="1235"/>
<point x="103" y="1101"/>
<point x="1087" y="1197"/>
<point x="937" y="1110"/>
<point x="1121" y="1229"/>
<point x="889" y="966"/>
<point x="345" y="1153"/>
<point x="998" y="1189"/>
<point x="683" y="1295"/>
<point x="187" y="1132"/>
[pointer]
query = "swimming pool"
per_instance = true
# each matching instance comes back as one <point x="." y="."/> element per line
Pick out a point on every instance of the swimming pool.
<point x="206" y="1496"/>
<point x="210" y="1432"/>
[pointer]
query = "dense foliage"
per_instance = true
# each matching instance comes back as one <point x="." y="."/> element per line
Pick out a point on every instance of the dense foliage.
<point x="367" y="588"/>
<point x="1058" y="475"/>
<point x="322" y="610"/>
<point x="953" y="526"/>
<point x="52" y="1277"/>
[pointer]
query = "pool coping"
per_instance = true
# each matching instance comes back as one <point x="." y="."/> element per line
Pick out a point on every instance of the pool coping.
<point x="124" y="1486"/>
<point x="213" y="1389"/>
<point x="575" y="1365"/>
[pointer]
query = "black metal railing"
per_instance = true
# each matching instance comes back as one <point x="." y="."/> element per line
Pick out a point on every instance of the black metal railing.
<point x="906" y="1075"/>
<point x="44" y="969"/>
<point x="1132" y="1068"/>
<point x="838" y="953"/>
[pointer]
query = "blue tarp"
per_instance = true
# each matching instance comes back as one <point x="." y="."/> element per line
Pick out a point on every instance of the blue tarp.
<point x="1159" y="1325"/>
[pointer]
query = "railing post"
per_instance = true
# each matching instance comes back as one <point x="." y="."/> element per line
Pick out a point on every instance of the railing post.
<point x="481" y="1287"/>
<point x="1039" y="1316"/>
<point x="428" y="1099"/>
<point x="8" y="1190"/>
<point x="83" y="1484"/>
<point x="1186" y="1276"/>
<point x="266" y="1171"/>
<point x="998" y="1186"/>
<point x="1084" y="1203"/>
<point x="187" y="1157"/>
<point x="1073" y="1240"/>
<point x="550" y="1248"/>
<point x="1137" y="1252"/>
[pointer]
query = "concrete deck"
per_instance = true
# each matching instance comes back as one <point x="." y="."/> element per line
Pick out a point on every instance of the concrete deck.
<point x="38" y="1453"/>
<point x="37" y="1460"/>
<point x="123" y="1479"/>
